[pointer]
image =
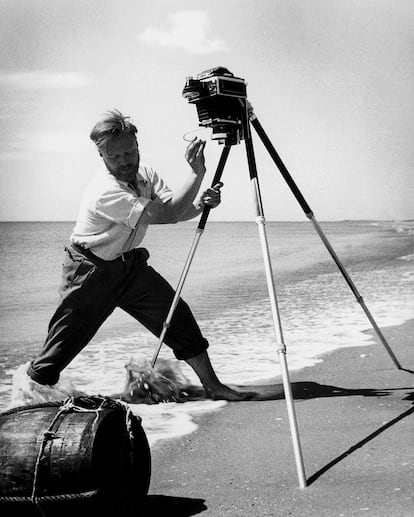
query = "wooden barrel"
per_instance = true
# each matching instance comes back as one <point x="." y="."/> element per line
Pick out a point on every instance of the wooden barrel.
<point x="87" y="455"/>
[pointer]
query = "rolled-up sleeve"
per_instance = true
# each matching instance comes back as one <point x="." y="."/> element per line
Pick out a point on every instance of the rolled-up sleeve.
<point x="119" y="206"/>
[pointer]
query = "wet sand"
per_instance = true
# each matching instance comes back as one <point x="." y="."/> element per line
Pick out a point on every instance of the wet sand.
<point x="355" y="418"/>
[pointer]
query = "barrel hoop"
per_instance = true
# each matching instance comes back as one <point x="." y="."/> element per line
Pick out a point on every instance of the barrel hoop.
<point x="20" y="409"/>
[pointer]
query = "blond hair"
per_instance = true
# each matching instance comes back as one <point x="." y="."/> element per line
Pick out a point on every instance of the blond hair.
<point x="113" y="123"/>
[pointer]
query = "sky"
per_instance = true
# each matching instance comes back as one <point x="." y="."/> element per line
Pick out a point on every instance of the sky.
<point x="331" y="82"/>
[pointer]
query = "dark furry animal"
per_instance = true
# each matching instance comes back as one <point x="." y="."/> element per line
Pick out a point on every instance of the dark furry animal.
<point x="163" y="383"/>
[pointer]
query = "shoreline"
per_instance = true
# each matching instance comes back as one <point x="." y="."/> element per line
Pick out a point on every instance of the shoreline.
<point x="353" y="412"/>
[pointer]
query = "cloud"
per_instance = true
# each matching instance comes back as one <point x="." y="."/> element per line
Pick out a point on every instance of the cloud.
<point x="188" y="30"/>
<point x="43" y="79"/>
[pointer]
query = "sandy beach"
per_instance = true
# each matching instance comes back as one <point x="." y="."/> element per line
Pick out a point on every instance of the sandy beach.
<point x="355" y="421"/>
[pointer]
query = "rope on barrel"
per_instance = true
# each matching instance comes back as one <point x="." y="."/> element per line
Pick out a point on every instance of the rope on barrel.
<point x="68" y="405"/>
<point x="49" y="498"/>
<point x="47" y="435"/>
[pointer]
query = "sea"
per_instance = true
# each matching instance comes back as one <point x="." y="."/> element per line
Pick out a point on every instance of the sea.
<point x="227" y="291"/>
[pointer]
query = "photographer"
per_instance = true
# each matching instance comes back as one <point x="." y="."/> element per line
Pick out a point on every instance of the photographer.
<point x="104" y="268"/>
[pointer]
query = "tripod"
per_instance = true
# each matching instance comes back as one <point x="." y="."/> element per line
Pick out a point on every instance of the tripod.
<point x="249" y="119"/>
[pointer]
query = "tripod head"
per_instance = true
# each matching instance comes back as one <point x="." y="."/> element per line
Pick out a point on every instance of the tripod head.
<point x="221" y="102"/>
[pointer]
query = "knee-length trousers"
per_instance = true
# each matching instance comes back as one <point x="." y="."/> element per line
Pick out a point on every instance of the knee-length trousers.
<point x="90" y="291"/>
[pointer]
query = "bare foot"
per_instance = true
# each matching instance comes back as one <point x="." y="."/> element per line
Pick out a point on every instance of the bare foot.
<point x="222" y="392"/>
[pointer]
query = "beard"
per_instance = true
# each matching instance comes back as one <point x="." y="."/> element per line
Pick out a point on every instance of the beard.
<point x="126" y="172"/>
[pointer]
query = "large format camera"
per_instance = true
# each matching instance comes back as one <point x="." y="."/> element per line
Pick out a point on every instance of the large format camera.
<point x="220" y="101"/>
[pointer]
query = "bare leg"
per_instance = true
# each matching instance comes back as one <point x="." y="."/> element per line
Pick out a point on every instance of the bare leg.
<point x="213" y="388"/>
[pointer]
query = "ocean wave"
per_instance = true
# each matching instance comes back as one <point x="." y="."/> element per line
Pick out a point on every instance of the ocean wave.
<point x="407" y="258"/>
<point x="406" y="226"/>
<point x="172" y="419"/>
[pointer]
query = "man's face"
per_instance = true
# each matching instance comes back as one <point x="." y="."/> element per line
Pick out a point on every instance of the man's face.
<point x="121" y="156"/>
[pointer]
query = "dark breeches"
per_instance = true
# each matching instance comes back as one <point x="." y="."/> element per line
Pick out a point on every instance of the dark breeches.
<point x="90" y="291"/>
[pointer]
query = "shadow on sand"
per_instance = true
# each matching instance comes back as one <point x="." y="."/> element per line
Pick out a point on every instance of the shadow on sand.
<point x="308" y="390"/>
<point x="157" y="505"/>
<point x="262" y="392"/>
<point x="358" y="445"/>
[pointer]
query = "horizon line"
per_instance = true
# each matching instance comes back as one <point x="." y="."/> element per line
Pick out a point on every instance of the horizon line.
<point x="216" y="221"/>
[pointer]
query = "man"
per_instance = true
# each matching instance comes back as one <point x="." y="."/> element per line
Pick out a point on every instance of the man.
<point x="104" y="268"/>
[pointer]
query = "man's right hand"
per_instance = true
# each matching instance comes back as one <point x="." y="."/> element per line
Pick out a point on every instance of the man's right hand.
<point x="195" y="156"/>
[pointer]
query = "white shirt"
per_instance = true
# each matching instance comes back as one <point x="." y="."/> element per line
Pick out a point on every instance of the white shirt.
<point x="108" y="220"/>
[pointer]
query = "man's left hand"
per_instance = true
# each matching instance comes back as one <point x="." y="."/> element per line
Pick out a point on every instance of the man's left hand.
<point x="211" y="196"/>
